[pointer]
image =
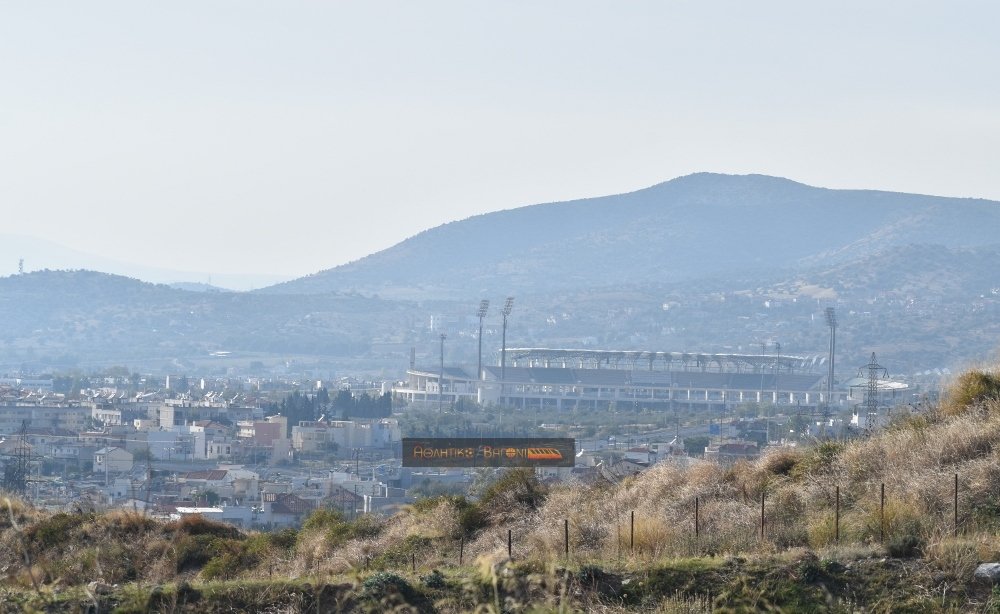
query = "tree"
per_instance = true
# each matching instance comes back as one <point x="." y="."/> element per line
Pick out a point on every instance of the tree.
<point x="211" y="497"/>
<point x="695" y="446"/>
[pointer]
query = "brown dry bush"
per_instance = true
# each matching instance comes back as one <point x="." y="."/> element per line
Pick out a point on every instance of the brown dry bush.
<point x="15" y="511"/>
<point x="959" y="556"/>
<point x="971" y="390"/>
<point x="779" y="461"/>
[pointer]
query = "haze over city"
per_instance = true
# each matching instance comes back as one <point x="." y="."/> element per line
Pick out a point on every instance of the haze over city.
<point x="279" y="140"/>
<point x="499" y="307"/>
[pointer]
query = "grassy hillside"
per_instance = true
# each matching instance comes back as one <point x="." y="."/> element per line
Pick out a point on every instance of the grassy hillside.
<point x="905" y="555"/>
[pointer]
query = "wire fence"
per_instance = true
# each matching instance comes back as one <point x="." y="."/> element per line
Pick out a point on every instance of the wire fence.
<point x="695" y="536"/>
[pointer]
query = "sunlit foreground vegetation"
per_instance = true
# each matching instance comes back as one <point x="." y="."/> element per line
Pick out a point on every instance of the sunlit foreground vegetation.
<point x="767" y="536"/>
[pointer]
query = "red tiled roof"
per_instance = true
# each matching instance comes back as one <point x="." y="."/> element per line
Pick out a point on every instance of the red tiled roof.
<point x="286" y="503"/>
<point x="339" y="493"/>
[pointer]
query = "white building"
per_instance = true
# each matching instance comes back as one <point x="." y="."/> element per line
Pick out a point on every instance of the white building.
<point x="112" y="460"/>
<point x="312" y="436"/>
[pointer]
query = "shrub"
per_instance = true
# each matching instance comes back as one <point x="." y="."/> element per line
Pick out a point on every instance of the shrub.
<point x="337" y="530"/>
<point x="972" y="388"/>
<point x="283" y="539"/>
<point x="470" y="515"/>
<point x="817" y="460"/>
<point x="15" y="511"/>
<point x="588" y="574"/>
<point x="780" y="461"/>
<point x="126" y="523"/>
<point x="366" y="527"/>
<point x="382" y="583"/>
<point x="399" y="554"/>
<point x="902" y="518"/>
<point x="55" y="530"/>
<point x="517" y="490"/>
<point x="228" y="564"/>
<point x="435" y="580"/>
<point x="652" y="535"/>
<point x="958" y="556"/>
<point x="323" y="519"/>
<point x="193" y="551"/>
<point x="904" y="546"/>
<point x="822" y="531"/>
<point x="196" y="524"/>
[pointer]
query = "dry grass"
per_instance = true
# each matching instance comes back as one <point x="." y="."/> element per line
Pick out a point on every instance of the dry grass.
<point x="916" y="458"/>
<point x="959" y="556"/>
<point x="970" y="391"/>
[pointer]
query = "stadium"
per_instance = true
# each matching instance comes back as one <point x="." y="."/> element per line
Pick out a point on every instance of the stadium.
<point x="565" y="379"/>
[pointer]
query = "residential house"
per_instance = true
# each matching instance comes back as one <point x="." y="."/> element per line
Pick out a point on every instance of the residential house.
<point x="112" y="460"/>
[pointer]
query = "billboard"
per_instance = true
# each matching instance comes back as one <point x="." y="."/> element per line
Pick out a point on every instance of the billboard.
<point x="488" y="451"/>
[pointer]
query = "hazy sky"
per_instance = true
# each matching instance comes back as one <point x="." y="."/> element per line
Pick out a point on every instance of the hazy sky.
<point x="289" y="137"/>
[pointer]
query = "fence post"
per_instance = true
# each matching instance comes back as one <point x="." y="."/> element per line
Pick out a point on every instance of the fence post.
<point x="881" y="516"/>
<point x="836" y="519"/>
<point x="762" y="515"/>
<point x="413" y="562"/>
<point x="566" y="536"/>
<point x="461" y="550"/>
<point x="956" y="505"/>
<point x="696" y="527"/>
<point x="510" y="544"/>
<point x="631" y="533"/>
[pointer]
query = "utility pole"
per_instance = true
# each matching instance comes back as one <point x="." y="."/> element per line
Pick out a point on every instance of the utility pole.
<point x="831" y="321"/>
<point x="441" y="376"/>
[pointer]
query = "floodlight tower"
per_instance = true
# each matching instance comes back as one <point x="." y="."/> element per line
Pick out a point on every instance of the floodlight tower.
<point x="831" y="321"/>
<point x="507" y="306"/>
<point x="484" y="305"/>
<point x="441" y="375"/>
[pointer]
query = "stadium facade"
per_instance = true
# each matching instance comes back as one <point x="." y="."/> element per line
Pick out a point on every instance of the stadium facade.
<point x="564" y="379"/>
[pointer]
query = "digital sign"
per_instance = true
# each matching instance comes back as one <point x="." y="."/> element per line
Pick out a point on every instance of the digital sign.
<point x="488" y="452"/>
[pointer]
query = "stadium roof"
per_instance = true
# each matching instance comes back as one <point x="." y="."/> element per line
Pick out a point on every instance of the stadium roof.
<point x="719" y="362"/>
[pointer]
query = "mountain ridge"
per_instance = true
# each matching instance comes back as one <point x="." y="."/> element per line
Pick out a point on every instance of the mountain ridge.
<point x="695" y="225"/>
<point x="692" y="264"/>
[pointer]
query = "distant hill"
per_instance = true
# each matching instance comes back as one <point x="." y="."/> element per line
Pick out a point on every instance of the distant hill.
<point x="194" y="286"/>
<point x="40" y="254"/>
<point x="694" y="226"/>
<point x="65" y="318"/>
<point x="704" y="263"/>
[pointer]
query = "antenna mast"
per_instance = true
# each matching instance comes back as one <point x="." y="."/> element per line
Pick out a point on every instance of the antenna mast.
<point x="871" y="394"/>
<point x="15" y="474"/>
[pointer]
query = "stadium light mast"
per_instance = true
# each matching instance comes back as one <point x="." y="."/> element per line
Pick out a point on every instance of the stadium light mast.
<point x="484" y="306"/>
<point x="507" y="307"/>
<point x="441" y="376"/>
<point x="831" y="321"/>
